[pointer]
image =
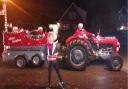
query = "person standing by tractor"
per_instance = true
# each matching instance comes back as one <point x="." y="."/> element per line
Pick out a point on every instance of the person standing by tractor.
<point x="52" y="54"/>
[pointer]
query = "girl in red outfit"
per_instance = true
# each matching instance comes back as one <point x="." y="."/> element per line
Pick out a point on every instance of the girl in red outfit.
<point x="52" y="60"/>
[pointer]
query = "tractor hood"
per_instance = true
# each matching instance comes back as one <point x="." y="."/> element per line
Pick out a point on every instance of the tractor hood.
<point x="107" y="40"/>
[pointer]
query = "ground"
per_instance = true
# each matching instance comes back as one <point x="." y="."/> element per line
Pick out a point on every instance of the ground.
<point x="96" y="76"/>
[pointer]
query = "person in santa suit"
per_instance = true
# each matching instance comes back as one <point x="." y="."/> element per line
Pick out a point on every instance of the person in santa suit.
<point x="40" y="31"/>
<point x="15" y="29"/>
<point x="81" y="31"/>
<point x="52" y="53"/>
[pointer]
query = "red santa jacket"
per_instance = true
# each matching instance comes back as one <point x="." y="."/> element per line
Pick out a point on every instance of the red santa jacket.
<point x="81" y="32"/>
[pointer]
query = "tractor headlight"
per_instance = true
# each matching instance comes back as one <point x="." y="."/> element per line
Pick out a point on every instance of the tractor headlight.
<point x="118" y="44"/>
<point x="117" y="49"/>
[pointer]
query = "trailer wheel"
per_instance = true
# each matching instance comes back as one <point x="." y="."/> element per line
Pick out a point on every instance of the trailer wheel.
<point x="116" y="63"/>
<point x="20" y="62"/>
<point x="36" y="60"/>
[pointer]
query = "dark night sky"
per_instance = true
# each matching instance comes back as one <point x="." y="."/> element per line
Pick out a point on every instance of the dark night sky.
<point x="48" y="11"/>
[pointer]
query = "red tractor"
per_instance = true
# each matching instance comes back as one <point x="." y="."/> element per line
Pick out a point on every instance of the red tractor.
<point x="80" y="50"/>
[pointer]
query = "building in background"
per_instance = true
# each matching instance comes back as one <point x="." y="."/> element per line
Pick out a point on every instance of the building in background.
<point x="72" y="16"/>
<point x="70" y="19"/>
<point x="123" y="26"/>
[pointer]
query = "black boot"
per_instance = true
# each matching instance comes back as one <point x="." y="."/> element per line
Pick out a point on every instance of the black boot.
<point x="49" y="86"/>
<point x="61" y="85"/>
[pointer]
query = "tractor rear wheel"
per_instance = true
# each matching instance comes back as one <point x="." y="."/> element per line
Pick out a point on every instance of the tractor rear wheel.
<point x="77" y="55"/>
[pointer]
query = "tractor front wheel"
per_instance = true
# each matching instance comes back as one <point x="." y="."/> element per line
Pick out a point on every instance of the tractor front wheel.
<point x="116" y="63"/>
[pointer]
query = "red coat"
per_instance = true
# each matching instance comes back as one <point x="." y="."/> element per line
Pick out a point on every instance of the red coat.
<point x="81" y="32"/>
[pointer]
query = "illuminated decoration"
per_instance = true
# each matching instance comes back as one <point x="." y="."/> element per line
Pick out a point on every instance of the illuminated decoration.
<point x="5" y="15"/>
<point x="4" y="0"/>
<point x="10" y="25"/>
<point x="122" y="27"/>
<point x="2" y="12"/>
<point x="122" y="17"/>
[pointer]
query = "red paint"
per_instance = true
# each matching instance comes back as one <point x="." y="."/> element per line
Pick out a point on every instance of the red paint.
<point x="22" y="39"/>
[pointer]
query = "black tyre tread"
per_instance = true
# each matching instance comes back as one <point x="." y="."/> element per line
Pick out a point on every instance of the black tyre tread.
<point x="121" y="60"/>
<point x="23" y="58"/>
<point x="40" y="61"/>
<point x="72" y="44"/>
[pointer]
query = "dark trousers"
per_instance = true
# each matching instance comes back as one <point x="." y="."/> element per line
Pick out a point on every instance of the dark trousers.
<point x="56" y="67"/>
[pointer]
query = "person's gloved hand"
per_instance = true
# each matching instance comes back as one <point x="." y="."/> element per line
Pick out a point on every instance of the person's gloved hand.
<point x="93" y="35"/>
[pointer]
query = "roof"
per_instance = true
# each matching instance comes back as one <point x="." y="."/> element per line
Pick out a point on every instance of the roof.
<point x="80" y="11"/>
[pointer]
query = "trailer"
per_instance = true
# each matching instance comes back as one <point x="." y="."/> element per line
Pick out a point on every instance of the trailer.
<point x="24" y="47"/>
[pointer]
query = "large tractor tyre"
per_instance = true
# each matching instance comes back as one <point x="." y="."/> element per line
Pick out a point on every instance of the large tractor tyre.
<point x="77" y="55"/>
<point x="20" y="62"/>
<point x="36" y="60"/>
<point x="116" y="63"/>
